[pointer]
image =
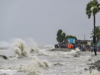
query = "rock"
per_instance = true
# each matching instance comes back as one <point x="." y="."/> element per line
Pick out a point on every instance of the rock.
<point x="95" y="65"/>
<point x="4" y="57"/>
<point x="85" y="69"/>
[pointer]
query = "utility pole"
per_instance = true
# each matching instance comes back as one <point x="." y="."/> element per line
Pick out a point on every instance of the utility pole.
<point x="84" y="37"/>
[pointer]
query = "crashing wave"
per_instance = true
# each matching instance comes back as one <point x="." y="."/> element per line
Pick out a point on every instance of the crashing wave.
<point x="42" y="63"/>
<point x="32" y="45"/>
<point x="20" y="48"/>
<point x="77" y="50"/>
<point x="32" y="67"/>
<point x="49" y="46"/>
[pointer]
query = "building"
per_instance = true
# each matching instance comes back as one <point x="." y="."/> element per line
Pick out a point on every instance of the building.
<point x="85" y="42"/>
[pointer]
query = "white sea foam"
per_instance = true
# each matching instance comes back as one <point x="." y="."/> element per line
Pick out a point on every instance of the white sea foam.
<point x="32" y="67"/>
<point x="49" y="46"/>
<point x="94" y="72"/>
<point x="84" y="59"/>
<point x="14" y="57"/>
<point x="32" y="44"/>
<point x="72" y="52"/>
<point x="7" y="72"/>
<point x="42" y="63"/>
<point x="38" y="66"/>
<point x="17" y="51"/>
<point x="77" y="50"/>
<point x="56" y="53"/>
<point x="20" y="48"/>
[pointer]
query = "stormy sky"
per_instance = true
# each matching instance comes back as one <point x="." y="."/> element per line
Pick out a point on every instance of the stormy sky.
<point x="41" y="19"/>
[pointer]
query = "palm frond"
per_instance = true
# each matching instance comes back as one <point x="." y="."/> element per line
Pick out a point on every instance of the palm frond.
<point x="92" y="7"/>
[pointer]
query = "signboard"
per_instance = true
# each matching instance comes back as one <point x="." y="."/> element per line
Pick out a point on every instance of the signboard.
<point x="98" y="48"/>
<point x="88" y="43"/>
<point x="98" y="44"/>
<point x="71" y="40"/>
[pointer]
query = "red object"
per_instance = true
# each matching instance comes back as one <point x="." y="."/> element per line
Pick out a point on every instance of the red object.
<point x="98" y="50"/>
<point x="70" y="46"/>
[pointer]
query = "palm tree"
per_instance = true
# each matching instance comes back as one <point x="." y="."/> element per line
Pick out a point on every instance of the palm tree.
<point x="93" y="7"/>
<point x="97" y="32"/>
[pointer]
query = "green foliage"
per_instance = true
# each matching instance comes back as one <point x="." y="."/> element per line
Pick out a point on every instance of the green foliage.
<point x="97" y="32"/>
<point x="92" y="7"/>
<point x="70" y="36"/>
<point x="60" y="36"/>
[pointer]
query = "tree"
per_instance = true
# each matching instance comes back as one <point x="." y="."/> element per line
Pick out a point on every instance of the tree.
<point x="93" y="7"/>
<point x="60" y="36"/>
<point x="97" y="33"/>
<point x="70" y="36"/>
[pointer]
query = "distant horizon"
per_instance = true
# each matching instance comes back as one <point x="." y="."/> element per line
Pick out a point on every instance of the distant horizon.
<point x="9" y="42"/>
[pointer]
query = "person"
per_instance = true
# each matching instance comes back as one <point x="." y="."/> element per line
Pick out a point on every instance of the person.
<point x="80" y="47"/>
<point x="68" y="46"/>
<point x="72" y="45"/>
<point x="89" y="48"/>
<point x="58" y="45"/>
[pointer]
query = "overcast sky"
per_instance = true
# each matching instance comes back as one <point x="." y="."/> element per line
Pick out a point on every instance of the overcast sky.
<point x="41" y="19"/>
